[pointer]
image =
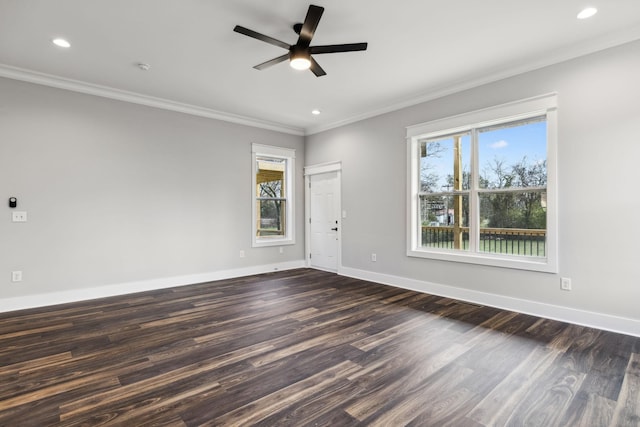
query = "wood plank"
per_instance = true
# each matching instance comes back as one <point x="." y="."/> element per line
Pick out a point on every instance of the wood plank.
<point x="627" y="410"/>
<point x="308" y="348"/>
<point x="498" y="406"/>
<point x="547" y="400"/>
<point x="267" y="405"/>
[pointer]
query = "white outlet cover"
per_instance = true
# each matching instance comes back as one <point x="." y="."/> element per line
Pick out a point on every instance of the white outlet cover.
<point x="19" y="216"/>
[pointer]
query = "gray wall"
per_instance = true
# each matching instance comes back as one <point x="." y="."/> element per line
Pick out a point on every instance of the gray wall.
<point x="598" y="155"/>
<point x="118" y="193"/>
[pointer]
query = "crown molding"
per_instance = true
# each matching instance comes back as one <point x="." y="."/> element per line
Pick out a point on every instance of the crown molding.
<point x="558" y="56"/>
<point x="35" y="77"/>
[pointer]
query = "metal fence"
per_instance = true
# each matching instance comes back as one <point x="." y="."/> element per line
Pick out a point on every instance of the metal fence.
<point x="513" y="241"/>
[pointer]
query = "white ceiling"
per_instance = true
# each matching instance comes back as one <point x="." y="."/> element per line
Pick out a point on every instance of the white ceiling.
<point x="418" y="50"/>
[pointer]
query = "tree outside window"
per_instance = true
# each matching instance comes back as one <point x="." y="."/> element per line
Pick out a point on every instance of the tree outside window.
<point x="270" y="192"/>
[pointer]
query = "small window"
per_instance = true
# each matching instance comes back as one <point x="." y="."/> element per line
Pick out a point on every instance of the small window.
<point x="482" y="187"/>
<point x="272" y="192"/>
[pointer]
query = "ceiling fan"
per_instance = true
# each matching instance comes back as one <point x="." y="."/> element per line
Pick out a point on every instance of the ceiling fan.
<point x="299" y="54"/>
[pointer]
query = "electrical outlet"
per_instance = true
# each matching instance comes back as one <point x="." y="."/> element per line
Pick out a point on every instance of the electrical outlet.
<point x="16" y="276"/>
<point x="17" y="216"/>
<point x="374" y="258"/>
<point x="241" y="254"/>
<point x="565" y="283"/>
<point x="281" y="250"/>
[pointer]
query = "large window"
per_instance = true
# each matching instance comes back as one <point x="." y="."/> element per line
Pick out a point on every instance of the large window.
<point x="482" y="187"/>
<point x="272" y="191"/>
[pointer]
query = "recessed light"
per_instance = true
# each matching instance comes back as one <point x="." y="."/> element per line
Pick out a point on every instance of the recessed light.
<point x="587" y="13"/>
<point x="61" y="42"/>
<point x="315" y="112"/>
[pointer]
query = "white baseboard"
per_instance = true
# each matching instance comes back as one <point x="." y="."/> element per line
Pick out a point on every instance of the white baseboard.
<point x="75" y="295"/>
<point x="565" y="314"/>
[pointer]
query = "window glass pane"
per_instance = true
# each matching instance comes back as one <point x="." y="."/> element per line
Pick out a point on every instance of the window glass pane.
<point x="270" y="177"/>
<point x="271" y="219"/>
<point x="513" y="154"/>
<point x="445" y="221"/>
<point x="513" y="223"/>
<point x="444" y="163"/>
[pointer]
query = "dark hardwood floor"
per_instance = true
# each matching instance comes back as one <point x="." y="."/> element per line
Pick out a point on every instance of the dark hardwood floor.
<point x="308" y="348"/>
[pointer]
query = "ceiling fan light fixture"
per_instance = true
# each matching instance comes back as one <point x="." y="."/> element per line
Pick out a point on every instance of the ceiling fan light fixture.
<point x="300" y="62"/>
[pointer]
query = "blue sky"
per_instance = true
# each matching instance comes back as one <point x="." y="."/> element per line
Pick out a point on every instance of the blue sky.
<point x="512" y="144"/>
<point x="506" y="144"/>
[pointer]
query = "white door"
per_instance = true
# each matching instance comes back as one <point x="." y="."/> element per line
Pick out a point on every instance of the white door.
<point x="324" y="221"/>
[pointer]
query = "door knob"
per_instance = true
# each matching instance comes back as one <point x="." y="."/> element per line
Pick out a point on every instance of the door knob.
<point x="335" y="229"/>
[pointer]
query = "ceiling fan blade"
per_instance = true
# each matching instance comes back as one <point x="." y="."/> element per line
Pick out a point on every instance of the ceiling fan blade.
<point x="335" y="48"/>
<point x="271" y="62"/>
<point x="316" y="68"/>
<point x="309" y="26"/>
<point x="247" y="32"/>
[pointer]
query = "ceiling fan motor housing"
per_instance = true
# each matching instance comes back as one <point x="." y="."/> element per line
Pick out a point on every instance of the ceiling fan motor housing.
<point x="296" y="51"/>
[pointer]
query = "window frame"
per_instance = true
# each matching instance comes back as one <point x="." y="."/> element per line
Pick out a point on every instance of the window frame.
<point x="544" y="105"/>
<point x="278" y="153"/>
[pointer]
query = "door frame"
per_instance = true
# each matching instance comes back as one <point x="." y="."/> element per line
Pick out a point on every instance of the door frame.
<point x="318" y="170"/>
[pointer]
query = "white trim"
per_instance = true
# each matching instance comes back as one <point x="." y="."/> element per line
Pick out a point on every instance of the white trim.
<point x="273" y="151"/>
<point x="84" y="294"/>
<point x="288" y="154"/>
<point x="137" y="98"/>
<point x="322" y="168"/>
<point x="590" y="319"/>
<point x="588" y="47"/>
<point x="510" y="111"/>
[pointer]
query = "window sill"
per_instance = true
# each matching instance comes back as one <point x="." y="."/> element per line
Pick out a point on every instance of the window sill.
<point x="544" y="265"/>
<point x="272" y="242"/>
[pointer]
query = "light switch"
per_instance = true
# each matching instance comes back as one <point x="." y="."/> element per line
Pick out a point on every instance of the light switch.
<point x="18" y="216"/>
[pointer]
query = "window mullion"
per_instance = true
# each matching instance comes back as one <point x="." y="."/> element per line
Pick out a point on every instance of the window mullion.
<point x="416" y="200"/>
<point x="474" y="206"/>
